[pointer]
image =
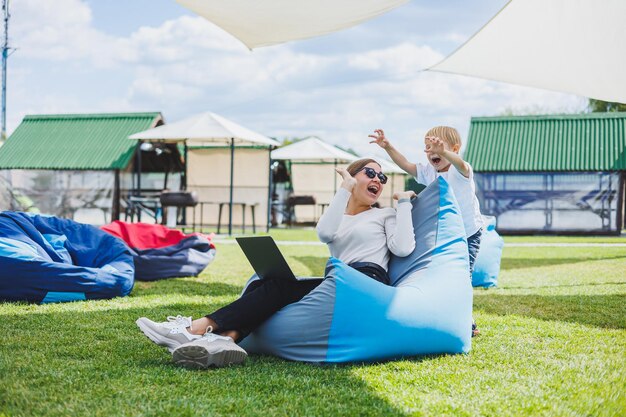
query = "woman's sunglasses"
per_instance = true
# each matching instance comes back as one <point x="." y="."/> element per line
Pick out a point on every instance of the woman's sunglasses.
<point x="371" y="173"/>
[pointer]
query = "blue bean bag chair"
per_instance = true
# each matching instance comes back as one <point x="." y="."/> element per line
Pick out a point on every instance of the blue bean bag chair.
<point x="160" y="252"/>
<point x="487" y="265"/>
<point x="350" y="317"/>
<point x="47" y="259"/>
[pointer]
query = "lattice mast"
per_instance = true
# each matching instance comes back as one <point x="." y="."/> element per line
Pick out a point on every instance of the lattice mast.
<point x="5" y="56"/>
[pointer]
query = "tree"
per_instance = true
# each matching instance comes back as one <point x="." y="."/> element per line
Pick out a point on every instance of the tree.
<point x="290" y="140"/>
<point x="599" y="106"/>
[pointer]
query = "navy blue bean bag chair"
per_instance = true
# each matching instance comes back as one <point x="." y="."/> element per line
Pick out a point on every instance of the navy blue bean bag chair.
<point x="160" y="252"/>
<point x="47" y="259"/>
<point x="350" y="317"/>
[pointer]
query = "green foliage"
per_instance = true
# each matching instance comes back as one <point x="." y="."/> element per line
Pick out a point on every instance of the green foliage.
<point x="599" y="106"/>
<point x="288" y="141"/>
<point x="553" y="342"/>
<point x="411" y="184"/>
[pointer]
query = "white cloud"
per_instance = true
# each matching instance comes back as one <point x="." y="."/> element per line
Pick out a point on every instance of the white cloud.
<point x="181" y="39"/>
<point x="155" y="90"/>
<point x="186" y="65"/>
<point x="398" y="59"/>
<point x="299" y="94"/>
<point x="62" y="30"/>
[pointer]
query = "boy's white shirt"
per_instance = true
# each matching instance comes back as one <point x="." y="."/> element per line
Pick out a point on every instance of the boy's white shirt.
<point x="464" y="190"/>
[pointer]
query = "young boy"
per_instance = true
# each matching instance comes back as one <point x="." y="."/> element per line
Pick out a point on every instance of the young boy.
<point x="442" y="149"/>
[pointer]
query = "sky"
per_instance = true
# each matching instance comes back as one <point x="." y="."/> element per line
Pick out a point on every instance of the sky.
<point x="83" y="56"/>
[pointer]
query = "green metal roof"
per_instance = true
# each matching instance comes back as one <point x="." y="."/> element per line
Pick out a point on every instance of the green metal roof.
<point x="75" y="141"/>
<point x="571" y="142"/>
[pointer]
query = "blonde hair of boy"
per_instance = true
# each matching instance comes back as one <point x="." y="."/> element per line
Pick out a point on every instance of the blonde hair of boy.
<point x="448" y="134"/>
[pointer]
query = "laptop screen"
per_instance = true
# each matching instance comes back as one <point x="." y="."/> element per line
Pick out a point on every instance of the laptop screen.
<point x="265" y="257"/>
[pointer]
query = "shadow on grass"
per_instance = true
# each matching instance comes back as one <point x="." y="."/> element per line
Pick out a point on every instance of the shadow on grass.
<point x="316" y="264"/>
<point x="521" y="263"/>
<point x="92" y="347"/>
<point x="605" y="311"/>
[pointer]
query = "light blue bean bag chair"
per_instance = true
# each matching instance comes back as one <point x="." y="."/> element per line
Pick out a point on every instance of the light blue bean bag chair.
<point x="487" y="265"/>
<point x="352" y="318"/>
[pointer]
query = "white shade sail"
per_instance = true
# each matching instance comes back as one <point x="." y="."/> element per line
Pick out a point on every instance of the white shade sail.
<point x="572" y="46"/>
<point x="269" y="22"/>
<point x="313" y="150"/>
<point x="205" y="129"/>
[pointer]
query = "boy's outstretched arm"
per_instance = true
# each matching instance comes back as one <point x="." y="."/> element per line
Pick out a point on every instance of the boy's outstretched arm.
<point x="396" y="156"/>
<point x="437" y="146"/>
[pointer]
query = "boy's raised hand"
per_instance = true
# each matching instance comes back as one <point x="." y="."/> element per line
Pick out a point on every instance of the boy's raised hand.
<point x="379" y="138"/>
<point x="348" y="180"/>
<point x="434" y="145"/>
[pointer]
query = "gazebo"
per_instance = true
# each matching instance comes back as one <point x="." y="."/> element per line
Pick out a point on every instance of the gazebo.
<point x="210" y="136"/>
<point x="313" y="179"/>
<point x="312" y="162"/>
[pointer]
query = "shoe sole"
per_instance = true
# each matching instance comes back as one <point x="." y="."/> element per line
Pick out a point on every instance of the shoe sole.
<point x="198" y="357"/>
<point x="155" y="337"/>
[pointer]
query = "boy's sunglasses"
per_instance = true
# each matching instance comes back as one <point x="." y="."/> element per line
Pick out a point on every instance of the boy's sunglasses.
<point x="371" y="173"/>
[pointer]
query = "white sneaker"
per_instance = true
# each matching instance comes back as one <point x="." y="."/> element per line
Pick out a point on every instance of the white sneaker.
<point x="210" y="350"/>
<point x="171" y="333"/>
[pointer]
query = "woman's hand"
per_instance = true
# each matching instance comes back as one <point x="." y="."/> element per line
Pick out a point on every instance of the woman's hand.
<point x="404" y="194"/>
<point x="379" y="138"/>
<point x="348" y="180"/>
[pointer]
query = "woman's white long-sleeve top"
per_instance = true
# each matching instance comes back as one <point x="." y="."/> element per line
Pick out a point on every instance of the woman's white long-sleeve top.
<point x="367" y="236"/>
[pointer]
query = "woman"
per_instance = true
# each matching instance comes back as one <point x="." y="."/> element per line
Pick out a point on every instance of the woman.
<point x="356" y="233"/>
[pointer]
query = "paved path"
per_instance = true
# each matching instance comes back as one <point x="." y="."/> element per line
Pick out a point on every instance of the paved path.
<point x="508" y="245"/>
<point x="588" y="245"/>
<point x="278" y="242"/>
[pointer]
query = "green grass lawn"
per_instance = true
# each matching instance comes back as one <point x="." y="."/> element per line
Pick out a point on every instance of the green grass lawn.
<point x="303" y="234"/>
<point x="308" y="235"/>
<point x="565" y="239"/>
<point x="553" y="342"/>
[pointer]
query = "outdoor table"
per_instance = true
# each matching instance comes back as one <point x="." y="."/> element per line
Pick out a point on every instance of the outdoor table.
<point x="221" y="205"/>
<point x="137" y="205"/>
<point x="322" y="206"/>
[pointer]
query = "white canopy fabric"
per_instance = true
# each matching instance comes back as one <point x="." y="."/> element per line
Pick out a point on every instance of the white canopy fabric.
<point x="388" y="167"/>
<point x="269" y="22"/>
<point x="572" y="46"/>
<point x="205" y="129"/>
<point x="208" y="129"/>
<point x="313" y="150"/>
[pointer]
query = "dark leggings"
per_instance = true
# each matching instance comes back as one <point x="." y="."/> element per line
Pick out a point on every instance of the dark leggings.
<point x="473" y="245"/>
<point x="263" y="298"/>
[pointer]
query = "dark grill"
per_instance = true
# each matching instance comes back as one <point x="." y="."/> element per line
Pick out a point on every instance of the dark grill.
<point x="179" y="198"/>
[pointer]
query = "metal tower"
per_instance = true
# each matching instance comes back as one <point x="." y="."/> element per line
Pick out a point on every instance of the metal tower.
<point x="5" y="55"/>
